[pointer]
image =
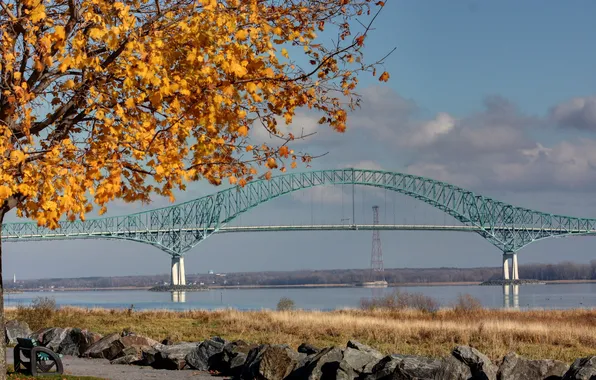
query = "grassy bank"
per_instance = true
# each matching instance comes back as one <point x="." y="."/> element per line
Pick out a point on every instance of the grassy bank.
<point x="563" y="335"/>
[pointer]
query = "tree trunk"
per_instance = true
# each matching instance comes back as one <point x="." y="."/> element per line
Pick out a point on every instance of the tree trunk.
<point x="3" y="334"/>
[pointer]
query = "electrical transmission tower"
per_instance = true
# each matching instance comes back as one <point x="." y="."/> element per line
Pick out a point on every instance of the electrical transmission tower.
<point x="376" y="255"/>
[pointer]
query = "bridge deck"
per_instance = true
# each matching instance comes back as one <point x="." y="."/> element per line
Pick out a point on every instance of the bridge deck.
<point x="273" y="228"/>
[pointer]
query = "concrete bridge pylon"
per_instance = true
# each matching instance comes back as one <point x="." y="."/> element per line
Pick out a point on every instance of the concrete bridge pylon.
<point x="514" y="269"/>
<point x="178" y="273"/>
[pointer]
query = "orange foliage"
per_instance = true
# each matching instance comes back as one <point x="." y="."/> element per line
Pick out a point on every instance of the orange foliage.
<point x="105" y="99"/>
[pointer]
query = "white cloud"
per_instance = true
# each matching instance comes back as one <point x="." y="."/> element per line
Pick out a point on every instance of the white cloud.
<point x="579" y="113"/>
<point x="425" y="133"/>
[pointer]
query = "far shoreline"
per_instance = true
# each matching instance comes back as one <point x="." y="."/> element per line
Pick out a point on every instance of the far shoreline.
<point x="301" y="286"/>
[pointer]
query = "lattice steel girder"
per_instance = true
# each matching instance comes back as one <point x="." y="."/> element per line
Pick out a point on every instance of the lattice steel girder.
<point x="176" y="229"/>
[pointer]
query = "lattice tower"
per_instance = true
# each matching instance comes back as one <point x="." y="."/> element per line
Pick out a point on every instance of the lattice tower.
<point x="376" y="255"/>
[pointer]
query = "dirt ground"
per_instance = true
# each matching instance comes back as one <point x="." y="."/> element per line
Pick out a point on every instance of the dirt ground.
<point x="103" y="369"/>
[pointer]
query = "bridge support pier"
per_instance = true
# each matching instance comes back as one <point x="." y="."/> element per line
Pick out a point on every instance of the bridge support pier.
<point x="514" y="270"/>
<point x="178" y="275"/>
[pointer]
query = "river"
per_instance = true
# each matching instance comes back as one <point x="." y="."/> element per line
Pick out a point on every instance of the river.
<point x="551" y="296"/>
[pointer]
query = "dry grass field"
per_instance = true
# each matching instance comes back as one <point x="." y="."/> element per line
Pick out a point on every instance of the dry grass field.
<point x="564" y="335"/>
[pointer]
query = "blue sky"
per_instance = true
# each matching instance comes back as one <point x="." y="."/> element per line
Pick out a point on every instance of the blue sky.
<point x="497" y="97"/>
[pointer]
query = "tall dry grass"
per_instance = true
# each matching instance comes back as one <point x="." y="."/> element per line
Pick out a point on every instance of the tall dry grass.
<point x="563" y="335"/>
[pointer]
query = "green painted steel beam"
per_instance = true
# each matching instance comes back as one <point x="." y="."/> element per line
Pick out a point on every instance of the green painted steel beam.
<point x="178" y="228"/>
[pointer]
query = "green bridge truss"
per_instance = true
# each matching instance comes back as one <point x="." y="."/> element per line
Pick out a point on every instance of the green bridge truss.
<point x="177" y="229"/>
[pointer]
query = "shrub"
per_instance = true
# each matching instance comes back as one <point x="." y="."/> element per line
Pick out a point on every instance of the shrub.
<point x="399" y="300"/>
<point x="39" y="314"/>
<point x="285" y="303"/>
<point x="467" y="303"/>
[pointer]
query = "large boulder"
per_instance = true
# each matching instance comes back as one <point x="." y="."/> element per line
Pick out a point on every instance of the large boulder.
<point x="582" y="369"/>
<point x="412" y="367"/>
<point x="174" y="356"/>
<point x="453" y="369"/>
<point x="384" y="368"/>
<point x="16" y="329"/>
<point x="271" y="362"/>
<point x="38" y="334"/>
<point x="480" y="365"/>
<point x="515" y="367"/>
<point x="199" y="357"/>
<point x="128" y="345"/>
<point x="148" y="356"/>
<point x="406" y="367"/>
<point x="53" y="337"/>
<point x="360" y="357"/>
<point x="77" y="341"/>
<point x="230" y="362"/>
<point x="324" y="365"/>
<point x="101" y="347"/>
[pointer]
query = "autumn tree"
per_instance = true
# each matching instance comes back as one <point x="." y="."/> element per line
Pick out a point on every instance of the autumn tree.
<point x="122" y="99"/>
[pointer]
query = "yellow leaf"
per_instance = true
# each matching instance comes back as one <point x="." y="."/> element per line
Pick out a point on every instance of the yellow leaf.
<point x="96" y="33"/>
<point x="384" y="77"/>
<point x="130" y="103"/>
<point x="38" y="13"/>
<point x="284" y="52"/>
<point x="271" y="164"/>
<point x="243" y="131"/>
<point x="5" y="192"/>
<point x="233" y="180"/>
<point x="241" y="35"/>
<point x="16" y="157"/>
<point x="69" y="84"/>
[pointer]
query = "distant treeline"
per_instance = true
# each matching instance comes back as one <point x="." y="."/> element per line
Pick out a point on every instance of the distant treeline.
<point x="561" y="271"/>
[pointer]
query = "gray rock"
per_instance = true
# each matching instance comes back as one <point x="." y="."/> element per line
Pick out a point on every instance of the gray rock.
<point x="77" y="341"/>
<point x="16" y="329"/>
<point x="323" y="365"/>
<point x="97" y="349"/>
<point x="271" y="362"/>
<point x="230" y="361"/>
<point x="582" y="369"/>
<point x="53" y="337"/>
<point x="128" y="345"/>
<point x="308" y="349"/>
<point x="148" y="356"/>
<point x="480" y="365"/>
<point x="199" y="357"/>
<point x="173" y="357"/>
<point x="515" y="367"/>
<point x="127" y="359"/>
<point x="361" y="361"/>
<point x="364" y="348"/>
<point x="407" y="367"/>
<point x="38" y="334"/>
<point x="453" y="369"/>
<point x="412" y="367"/>
<point x="384" y="368"/>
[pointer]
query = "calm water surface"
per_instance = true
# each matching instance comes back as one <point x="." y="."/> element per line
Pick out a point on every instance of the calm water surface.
<point x="559" y="296"/>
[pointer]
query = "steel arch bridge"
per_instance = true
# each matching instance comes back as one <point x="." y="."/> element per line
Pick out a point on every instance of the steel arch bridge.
<point x="178" y="228"/>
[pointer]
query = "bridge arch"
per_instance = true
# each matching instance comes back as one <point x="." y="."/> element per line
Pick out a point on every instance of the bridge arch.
<point x="178" y="228"/>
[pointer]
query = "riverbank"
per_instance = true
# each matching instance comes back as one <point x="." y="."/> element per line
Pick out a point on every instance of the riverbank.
<point x="558" y="334"/>
<point x="300" y="286"/>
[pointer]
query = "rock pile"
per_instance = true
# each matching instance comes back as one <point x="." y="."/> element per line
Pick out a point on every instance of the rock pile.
<point x="245" y="361"/>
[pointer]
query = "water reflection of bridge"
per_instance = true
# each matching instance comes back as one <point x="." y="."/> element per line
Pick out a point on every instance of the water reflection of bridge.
<point x="511" y="296"/>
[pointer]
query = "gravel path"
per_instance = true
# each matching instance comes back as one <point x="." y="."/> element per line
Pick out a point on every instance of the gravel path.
<point x="103" y="369"/>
